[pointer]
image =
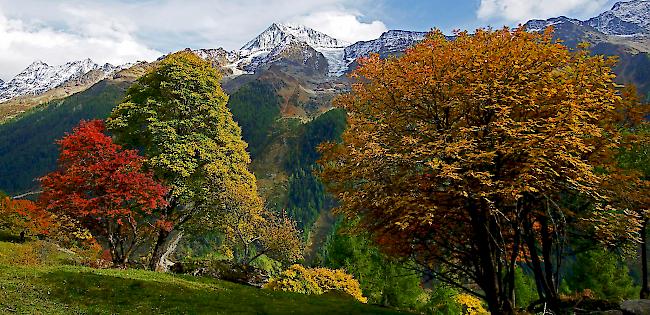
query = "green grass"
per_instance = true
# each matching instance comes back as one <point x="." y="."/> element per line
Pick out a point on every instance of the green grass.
<point x="32" y="285"/>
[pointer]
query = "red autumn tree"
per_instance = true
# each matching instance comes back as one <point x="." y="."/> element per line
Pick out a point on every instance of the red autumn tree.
<point x="105" y="188"/>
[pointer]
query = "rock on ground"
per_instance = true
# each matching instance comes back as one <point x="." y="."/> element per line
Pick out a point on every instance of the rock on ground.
<point x="636" y="307"/>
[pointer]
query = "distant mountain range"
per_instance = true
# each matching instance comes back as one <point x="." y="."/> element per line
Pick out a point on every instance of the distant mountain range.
<point x="626" y="26"/>
<point x="327" y="55"/>
<point x="40" y="77"/>
<point x="624" y="19"/>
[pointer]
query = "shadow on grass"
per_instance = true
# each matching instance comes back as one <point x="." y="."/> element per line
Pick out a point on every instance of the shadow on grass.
<point x="11" y="238"/>
<point x="146" y="293"/>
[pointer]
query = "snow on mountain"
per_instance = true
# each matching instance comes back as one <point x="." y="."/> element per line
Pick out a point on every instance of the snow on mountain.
<point x="278" y="34"/>
<point x="267" y="45"/>
<point x="625" y="18"/>
<point x="40" y="77"/>
<point x="217" y="55"/>
<point x="630" y="18"/>
<point x="389" y="42"/>
<point x="540" y="25"/>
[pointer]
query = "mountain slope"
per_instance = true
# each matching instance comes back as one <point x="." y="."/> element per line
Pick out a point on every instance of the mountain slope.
<point x="392" y="42"/>
<point x="27" y="143"/>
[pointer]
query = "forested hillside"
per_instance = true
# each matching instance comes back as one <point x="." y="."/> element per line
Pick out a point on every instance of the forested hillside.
<point x="25" y="157"/>
<point x="28" y="147"/>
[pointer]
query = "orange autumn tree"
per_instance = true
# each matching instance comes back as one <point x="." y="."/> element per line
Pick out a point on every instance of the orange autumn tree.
<point x="455" y="150"/>
<point x="104" y="187"/>
<point x="23" y="217"/>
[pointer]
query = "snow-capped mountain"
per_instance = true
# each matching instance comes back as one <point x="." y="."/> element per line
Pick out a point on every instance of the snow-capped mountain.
<point x="278" y="34"/>
<point x="630" y="18"/>
<point x="219" y="55"/>
<point x="40" y="77"/>
<point x="389" y="42"/>
<point x="277" y="37"/>
<point x="625" y="18"/>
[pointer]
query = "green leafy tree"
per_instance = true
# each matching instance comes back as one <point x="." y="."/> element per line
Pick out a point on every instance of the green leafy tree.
<point x="525" y="290"/>
<point x="177" y="115"/>
<point x="383" y="280"/>
<point x="601" y="272"/>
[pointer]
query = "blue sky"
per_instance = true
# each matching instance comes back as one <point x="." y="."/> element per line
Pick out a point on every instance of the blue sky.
<point x="119" y="31"/>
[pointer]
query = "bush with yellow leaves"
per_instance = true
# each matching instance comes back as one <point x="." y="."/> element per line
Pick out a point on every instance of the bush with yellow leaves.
<point x="316" y="281"/>
<point x="471" y="304"/>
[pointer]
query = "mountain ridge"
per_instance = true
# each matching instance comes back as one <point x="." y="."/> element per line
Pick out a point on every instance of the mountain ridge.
<point x="39" y="77"/>
<point x="626" y="23"/>
<point x="625" y="18"/>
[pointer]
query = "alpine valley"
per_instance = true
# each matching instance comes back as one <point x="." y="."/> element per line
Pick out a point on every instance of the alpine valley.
<point x="281" y="86"/>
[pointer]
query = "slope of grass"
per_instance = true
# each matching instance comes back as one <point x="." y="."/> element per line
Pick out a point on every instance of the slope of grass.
<point x="52" y="288"/>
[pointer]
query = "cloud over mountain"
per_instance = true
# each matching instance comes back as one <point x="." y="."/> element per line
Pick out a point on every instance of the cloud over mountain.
<point x="343" y="25"/>
<point x="522" y="10"/>
<point x="105" y="41"/>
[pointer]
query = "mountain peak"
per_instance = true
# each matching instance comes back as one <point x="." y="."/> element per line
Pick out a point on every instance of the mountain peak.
<point x="389" y="42"/>
<point x="625" y="18"/>
<point x="37" y="64"/>
<point x="281" y="33"/>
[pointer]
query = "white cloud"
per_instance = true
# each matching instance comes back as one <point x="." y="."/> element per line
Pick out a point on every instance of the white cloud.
<point x="342" y="25"/>
<point x="106" y="41"/>
<point x="524" y="10"/>
<point x="117" y="30"/>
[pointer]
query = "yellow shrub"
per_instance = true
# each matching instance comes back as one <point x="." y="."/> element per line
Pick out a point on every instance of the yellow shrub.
<point x="316" y="281"/>
<point x="471" y="304"/>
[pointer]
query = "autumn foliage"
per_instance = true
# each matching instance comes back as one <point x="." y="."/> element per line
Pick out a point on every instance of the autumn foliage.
<point x="105" y="188"/>
<point x="458" y="149"/>
<point x="177" y="115"/>
<point x="316" y="281"/>
<point x="250" y="230"/>
<point x="24" y="217"/>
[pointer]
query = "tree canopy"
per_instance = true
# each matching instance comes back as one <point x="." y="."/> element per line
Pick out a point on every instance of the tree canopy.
<point x="177" y="115"/>
<point x="456" y="152"/>
<point x="104" y="187"/>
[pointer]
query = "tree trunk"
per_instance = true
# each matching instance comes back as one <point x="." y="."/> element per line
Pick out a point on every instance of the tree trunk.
<point x="165" y="246"/>
<point x="645" y="290"/>
<point x="158" y="249"/>
<point x="499" y="302"/>
<point x="546" y="283"/>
